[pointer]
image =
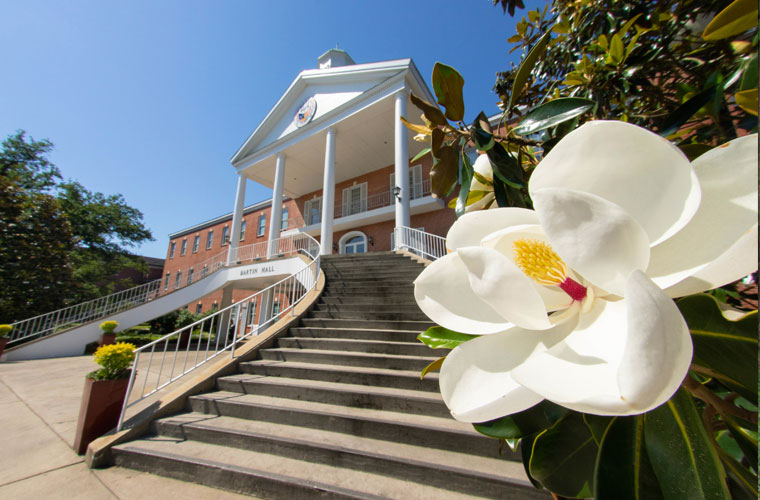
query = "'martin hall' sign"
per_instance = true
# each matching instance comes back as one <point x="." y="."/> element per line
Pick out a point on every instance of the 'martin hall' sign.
<point x="253" y="271"/>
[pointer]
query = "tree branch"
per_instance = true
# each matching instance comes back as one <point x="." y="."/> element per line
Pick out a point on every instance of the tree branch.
<point x="721" y="405"/>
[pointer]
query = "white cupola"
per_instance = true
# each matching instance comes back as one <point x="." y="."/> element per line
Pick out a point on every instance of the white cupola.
<point x="334" y="58"/>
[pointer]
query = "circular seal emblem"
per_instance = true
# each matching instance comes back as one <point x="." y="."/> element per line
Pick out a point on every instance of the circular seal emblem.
<point x="306" y="112"/>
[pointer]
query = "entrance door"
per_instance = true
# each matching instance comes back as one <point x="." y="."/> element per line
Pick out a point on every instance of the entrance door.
<point x="355" y="245"/>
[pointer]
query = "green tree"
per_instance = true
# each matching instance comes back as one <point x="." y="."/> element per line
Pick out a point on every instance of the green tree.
<point x="60" y="243"/>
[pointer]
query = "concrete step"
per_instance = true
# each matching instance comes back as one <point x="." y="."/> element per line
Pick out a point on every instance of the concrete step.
<point x="405" y="287"/>
<point x="322" y="356"/>
<point x="364" y="280"/>
<point x="403" y="272"/>
<point x="381" y="377"/>
<point x="364" y="307"/>
<point x="484" y="477"/>
<point x="405" y="299"/>
<point x="357" y="334"/>
<point x="414" y="348"/>
<point x="372" y="315"/>
<point x="387" y="295"/>
<point x="418" y="430"/>
<point x="335" y="393"/>
<point x="417" y="326"/>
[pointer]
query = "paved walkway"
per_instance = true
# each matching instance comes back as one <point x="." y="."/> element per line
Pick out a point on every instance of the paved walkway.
<point x="39" y="406"/>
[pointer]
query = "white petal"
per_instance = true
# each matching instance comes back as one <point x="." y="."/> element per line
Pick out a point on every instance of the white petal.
<point x="640" y="171"/>
<point x="472" y="227"/>
<point x="624" y="358"/>
<point x="475" y="378"/>
<point x="481" y="204"/>
<point x="726" y="219"/>
<point x="595" y="237"/>
<point x="482" y="166"/>
<point x="498" y="282"/>
<point x="443" y="292"/>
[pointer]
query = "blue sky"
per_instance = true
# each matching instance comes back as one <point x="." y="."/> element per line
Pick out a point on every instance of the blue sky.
<point x="151" y="99"/>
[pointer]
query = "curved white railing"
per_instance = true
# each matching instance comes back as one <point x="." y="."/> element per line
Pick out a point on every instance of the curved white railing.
<point x="165" y="360"/>
<point x="430" y="246"/>
<point x="84" y="312"/>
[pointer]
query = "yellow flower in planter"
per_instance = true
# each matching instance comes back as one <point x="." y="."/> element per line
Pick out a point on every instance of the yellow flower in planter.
<point x="114" y="359"/>
<point x="109" y="326"/>
<point x="573" y="300"/>
<point x="5" y="330"/>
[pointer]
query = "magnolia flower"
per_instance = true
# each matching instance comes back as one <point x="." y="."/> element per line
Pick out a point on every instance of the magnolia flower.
<point x="483" y="167"/>
<point x="573" y="301"/>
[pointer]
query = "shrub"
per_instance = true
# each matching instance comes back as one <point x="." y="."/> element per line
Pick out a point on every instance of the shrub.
<point x="185" y="318"/>
<point x="115" y="360"/>
<point x="164" y="324"/>
<point x="108" y="326"/>
<point x="5" y="330"/>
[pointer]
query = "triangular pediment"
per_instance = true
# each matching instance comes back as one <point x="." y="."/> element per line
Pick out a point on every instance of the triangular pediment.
<point x="331" y="90"/>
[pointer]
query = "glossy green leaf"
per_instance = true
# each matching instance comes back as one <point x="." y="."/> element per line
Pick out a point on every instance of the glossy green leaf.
<point x="694" y="151"/>
<point x="526" y="449"/>
<point x="726" y="347"/>
<point x="465" y="177"/>
<point x="742" y="484"/>
<point x="432" y="367"/>
<point x="421" y="154"/>
<point x="443" y="175"/>
<point x="682" y="456"/>
<point x="563" y="458"/>
<point x="623" y="469"/>
<point x="616" y="51"/>
<point x="447" y="85"/>
<point x="430" y="110"/>
<point x="745" y="439"/>
<point x="552" y="113"/>
<point x="437" y="337"/>
<point x="505" y="167"/>
<point x="518" y="425"/>
<point x="747" y="100"/>
<point x="598" y="425"/>
<point x="737" y="18"/>
<point x="523" y="72"/>
<point x="685" y="111"/>
<point x="750" y="74"/>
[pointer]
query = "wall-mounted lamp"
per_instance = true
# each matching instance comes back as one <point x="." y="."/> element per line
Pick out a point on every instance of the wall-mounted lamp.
<point x="371" y="240"/>
<point x="397" y="192"/>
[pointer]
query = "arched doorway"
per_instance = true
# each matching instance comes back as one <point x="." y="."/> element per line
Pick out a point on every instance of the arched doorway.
<point x="353" y="242"/>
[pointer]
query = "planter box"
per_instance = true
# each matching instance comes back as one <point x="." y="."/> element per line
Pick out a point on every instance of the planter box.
<point x="99" y="411"/>
<point x="3" y="341"/>
<point x="107" y="339"/>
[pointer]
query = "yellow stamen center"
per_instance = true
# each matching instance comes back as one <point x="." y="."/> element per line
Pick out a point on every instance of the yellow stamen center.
<point x="538" y="261"/>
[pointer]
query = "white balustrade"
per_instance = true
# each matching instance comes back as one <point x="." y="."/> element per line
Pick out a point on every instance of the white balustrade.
<point x="430" y="246"/>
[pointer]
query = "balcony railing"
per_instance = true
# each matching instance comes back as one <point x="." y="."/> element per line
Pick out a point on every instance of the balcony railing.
<point x="371" y="202"/>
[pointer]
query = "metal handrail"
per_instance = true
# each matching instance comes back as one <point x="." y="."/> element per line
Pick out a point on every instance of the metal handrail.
<point x="84" y="312"/>
<point x="221" y="331"/>
<point x="419" y="242"/>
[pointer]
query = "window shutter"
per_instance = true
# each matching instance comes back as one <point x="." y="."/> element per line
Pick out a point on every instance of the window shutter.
<point x="363" y="195"/>
<point x="415" y="181"/>
<point x="346" y="201"/>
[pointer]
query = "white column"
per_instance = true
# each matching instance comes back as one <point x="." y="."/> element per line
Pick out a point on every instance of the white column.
<point x="328" y="195"/>
<point x="276" y="213"/>
<point x="237" y="219"/>
<point x="224" y="318"/>
<point x="402" y="162"/>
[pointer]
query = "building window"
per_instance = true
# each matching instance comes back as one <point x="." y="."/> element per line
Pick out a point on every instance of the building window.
<point x="284" y="219"/>
<point x="204" y="271"/>
<point x="196" y="243"/>
<point x="225" y="235"/>
<point x="312" y="211"/>
<point x="262" y="225"/>
<point x="190" y="276"/>
<point x="242" y="230"/>
<point x="252" y="312"/>
<point x="214" y="306"/>
<point x="415" y="181"/>
<point x="178" y="279"/>
<point x="183" y="250"/>
<point x="198" y="308"/>
<point x="355" y="199"/>
<point x="275" y="308"/>
<point x="210" y="239"/>
<point x="172" y="248"/>
<point x="166" y="282"/>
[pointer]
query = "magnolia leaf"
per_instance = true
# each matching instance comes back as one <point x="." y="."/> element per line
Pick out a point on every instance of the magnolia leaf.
<point x="505" y="167"/>
<point x="749" y="75"/>
<point x="741" y="482"/>
<point x="694" y="151"/>
<point x="563" y="459"/>
<point x="481" y="179"/>
<point x="552" y="113"/>
<point x="747" y="100"/>
<point x="523" y="72"/>
<point x="482" y="122"/>
<point x="465" y="179"/>
<point x="420" y="155"/>
<point x="682" y="456"/>
<point x="431" y="112"/>
<point x="623" y="467"/>
<point x="535" y="419"/>
<point x="617" y="50"/>
<point x="443" y="175"/>
<point x="737" y="18"/>
<point x="447" y="85"/>
<point x="526" y="450"/>
<point x="627" y="26"/>
<point x="685" y="111"/>
<point x="598" y="426"/>
<point x="436" y="141"/>
<point x="432" y="367"/>
<point x="744" y="438"/>
<point x="437" y="337"/>
<point x="422" y="129"/>
<point x="726" y="347"/>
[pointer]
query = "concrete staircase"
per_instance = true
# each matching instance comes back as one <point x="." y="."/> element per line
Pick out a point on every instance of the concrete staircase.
<point x="337" y="409"/>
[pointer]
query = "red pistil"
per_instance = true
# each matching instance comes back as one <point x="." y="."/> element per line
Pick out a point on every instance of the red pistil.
<point x="575" y="290"/>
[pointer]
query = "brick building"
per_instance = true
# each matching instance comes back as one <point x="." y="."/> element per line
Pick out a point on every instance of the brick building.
<point x="337" y="158"/>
